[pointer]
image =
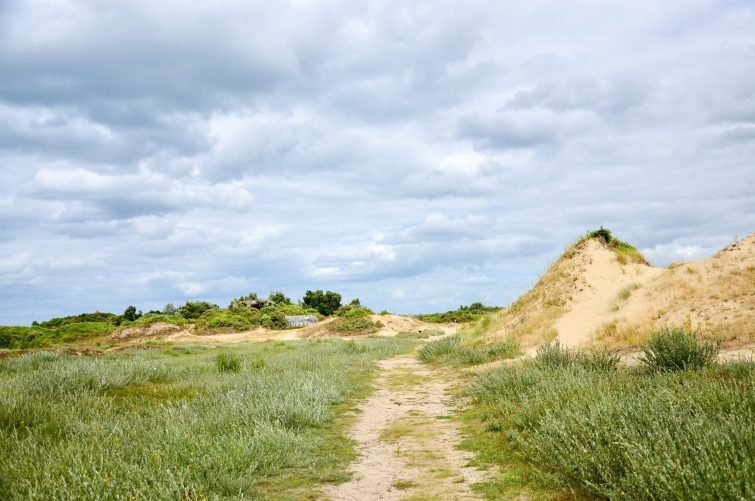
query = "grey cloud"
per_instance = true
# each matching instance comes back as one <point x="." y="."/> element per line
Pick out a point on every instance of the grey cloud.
<point x="414" y="154"/>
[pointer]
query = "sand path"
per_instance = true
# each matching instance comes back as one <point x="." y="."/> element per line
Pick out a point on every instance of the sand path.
<point x="407" y="440"/>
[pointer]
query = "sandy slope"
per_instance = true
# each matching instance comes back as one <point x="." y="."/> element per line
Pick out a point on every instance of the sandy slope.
<point x="589" y="297"/>
<point x="392" y="325"/>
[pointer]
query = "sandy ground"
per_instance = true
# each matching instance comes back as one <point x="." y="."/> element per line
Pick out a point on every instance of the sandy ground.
<point x="392" y="325"/>
<point x="603" y="279"/>
<point x="407" y="440"/>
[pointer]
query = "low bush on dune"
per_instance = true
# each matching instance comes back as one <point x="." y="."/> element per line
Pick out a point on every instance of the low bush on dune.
<point x="236" y="319"/>
<point x="676" y="349"/>
<point x="352" y="319"/>
<point x="453" y="351"/>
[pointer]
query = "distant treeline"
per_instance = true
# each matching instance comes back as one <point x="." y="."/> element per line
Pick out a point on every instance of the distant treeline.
<point x="269" y="312"/>
<point x="462" y="314"/>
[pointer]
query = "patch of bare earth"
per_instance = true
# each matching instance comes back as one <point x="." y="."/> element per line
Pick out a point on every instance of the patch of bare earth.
<point x="407" y="441"/>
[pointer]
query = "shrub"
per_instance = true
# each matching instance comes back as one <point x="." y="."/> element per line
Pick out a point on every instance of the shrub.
<point x="275" y="320"/>
<point x="227" y="362"/>
<point x="675" y="349"/>
<point x="237" y="319"/>
<point x="194" y="309"/>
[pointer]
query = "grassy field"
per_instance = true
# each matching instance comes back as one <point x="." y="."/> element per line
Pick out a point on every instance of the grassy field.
<point x="262" y="420"/>
<point x="571" y="424"/>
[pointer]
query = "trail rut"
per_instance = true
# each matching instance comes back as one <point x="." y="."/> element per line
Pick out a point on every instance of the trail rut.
<point x="407" y="440"/>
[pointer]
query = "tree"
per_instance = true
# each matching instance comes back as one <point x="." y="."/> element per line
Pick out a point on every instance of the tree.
<point x="170" y="309"/>
<point x="324" y="302"/>
<point x="130" y="314"/>
<point x="279" y="298"/>
<point x="356" y="302"/>
<point x="194" y="309"/>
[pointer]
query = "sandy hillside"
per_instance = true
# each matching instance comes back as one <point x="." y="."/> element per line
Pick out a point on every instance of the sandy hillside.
<point x="392" y="325"/>
<point x="593" y="295"/>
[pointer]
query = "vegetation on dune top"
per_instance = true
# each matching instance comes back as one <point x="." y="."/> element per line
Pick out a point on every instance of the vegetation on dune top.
<point x="625" y="252"/>
<point x="461" y="315"/>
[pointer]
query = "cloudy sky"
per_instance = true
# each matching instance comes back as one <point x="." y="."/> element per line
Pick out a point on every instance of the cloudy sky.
<point x="418" y="155"/>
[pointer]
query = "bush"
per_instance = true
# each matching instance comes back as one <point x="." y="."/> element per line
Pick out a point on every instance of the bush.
<point x="275" y="320"/>
<point x="194" y="309"/>
<point x="237" y="319"/>
<point x="675" y="349"/>
<point x="227" y="362"/>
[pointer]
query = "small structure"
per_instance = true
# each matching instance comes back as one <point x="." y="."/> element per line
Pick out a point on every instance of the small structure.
<point x="300" y="320"/>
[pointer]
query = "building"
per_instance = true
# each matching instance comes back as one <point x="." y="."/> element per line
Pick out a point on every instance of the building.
<point x="300" y="320"/>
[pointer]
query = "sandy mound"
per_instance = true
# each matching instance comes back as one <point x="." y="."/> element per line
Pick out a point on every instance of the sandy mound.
<point x="592" y="295"/>
<point x="393" y="324"/>
<point x="153" y="331"/>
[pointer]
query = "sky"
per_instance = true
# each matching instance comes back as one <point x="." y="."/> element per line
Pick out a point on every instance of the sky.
<point x="418" y="155"/>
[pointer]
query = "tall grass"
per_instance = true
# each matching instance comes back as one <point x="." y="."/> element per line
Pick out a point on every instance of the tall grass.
<point x="628" y="433"/>
<point x="165" y="425"/>
<point x="453" y="351"/>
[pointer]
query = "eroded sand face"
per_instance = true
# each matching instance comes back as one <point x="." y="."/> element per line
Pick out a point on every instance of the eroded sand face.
<point x="407" y="441"/>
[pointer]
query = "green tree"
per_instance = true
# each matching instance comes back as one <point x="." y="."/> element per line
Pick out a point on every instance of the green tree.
<point x="130" y="314"/>
<point x="194" y="309"/>
<point x="279" y="298"/>
<point x="325" y="302"/>
<point x="170" y="309"/>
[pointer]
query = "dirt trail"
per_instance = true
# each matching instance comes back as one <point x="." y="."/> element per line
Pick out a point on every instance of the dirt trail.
<point x="407" y="440"/>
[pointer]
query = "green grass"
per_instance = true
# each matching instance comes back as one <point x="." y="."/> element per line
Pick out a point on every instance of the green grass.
<point x="39" y="337"/>
<point x="453" y="351"/>
<point x="675" y="349"/>
<point x="616" y="433"/>
<point x="166" y="424"/>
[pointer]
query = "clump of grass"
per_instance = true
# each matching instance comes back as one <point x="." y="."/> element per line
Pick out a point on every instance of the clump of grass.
<point x="556" y="356"/>
<point x="452" y="351"/>
<point x="227" y="362"/>
<point x="626" y="292"/>
<point x="676" y="349"/>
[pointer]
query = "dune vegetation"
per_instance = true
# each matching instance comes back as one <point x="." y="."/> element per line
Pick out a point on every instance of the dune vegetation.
<point x="678" y="426"/>
<point x="262" y="420"/>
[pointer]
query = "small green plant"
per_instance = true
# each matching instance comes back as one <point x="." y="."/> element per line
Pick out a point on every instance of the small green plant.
<point x="676" y="349"/>
<point x="227" y="362"/>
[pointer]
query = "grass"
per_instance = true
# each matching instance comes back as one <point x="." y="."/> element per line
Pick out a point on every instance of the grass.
<point x="676" y="349"/>
<point x="556" y="423"/>
<point x="425" y="334"/>
<point x="166" y="423"/>
<point x="454" y="351"/>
